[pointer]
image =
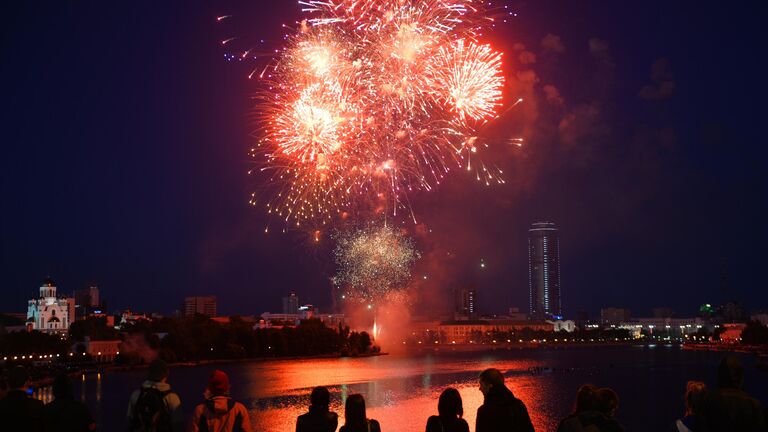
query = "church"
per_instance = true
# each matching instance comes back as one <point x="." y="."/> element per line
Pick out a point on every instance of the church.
<point x="50" y="313"/>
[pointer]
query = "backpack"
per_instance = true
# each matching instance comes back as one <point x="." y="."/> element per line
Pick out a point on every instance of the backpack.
<point x="202" y="424"/>
<point x="151" y="413"/>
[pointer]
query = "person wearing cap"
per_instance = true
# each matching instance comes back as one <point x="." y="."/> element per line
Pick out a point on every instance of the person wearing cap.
<point x="219" y="412"/>
<point x="18" y="410"/>
<point x="155" y="406"/>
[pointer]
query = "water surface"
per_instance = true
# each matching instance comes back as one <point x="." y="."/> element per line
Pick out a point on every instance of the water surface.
<point x="401" y="391"/>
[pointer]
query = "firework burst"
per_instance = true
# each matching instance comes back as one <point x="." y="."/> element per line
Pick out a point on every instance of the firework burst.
<point x="373" y="263"/>
<point x="371" y="100"/>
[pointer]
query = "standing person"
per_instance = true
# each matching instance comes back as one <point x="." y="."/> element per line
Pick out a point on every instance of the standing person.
<point x="65" y="414"/>
<point x="219" y="412"/>
<point x="584" y="410"/>
<point x="607" y="404"/>
<point x="19" y="411"/>
<point x="319" y="418"/>
<point x="695" y="392"/>
<point x="355" y="419"/>
<point x="154" y="407"/>
<point x="450" y="412"/>
<point x="730" y="407"/>
<point x="592" y="411"/>
<point x="501" y="411"/>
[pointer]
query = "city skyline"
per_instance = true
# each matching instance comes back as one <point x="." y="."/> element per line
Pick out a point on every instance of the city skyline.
<point x="128" y="166"/>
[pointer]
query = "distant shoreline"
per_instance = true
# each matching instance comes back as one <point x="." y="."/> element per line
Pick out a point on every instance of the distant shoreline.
<point x="47" y="381"/>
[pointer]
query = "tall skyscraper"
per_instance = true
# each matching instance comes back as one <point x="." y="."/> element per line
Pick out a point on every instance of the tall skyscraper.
<point x="291" y="304"/>
<point x="466" y="302"/>
<point x="203" y="305"/>
<point x="544" y="270"/>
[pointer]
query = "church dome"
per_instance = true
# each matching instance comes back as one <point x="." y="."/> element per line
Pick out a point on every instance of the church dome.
<point x="48" y="282"/>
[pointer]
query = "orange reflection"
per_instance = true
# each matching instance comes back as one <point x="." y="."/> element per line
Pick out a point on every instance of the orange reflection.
<point x="388" y="386"/>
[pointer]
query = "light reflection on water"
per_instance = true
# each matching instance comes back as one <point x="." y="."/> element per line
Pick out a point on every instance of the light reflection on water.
<point x="402" y="391"/>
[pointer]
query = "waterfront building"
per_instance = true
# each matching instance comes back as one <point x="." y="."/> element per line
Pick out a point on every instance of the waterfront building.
<point x="476" y="331"/>
<point x="672" y="327"/>
<point x="203" y="305"/>
<point x="544" y="271"/>
<point x="269" y="319"/>
<point x="732" y="333"/>
<point x="466" y="303"/>
<point x="761" y="318"/>
<point x="663" y="312"/>
<point x="563" y="325"/>
<point x="291" y="304"/>
<point x="48" y="312"/>
<point x="613" y="316"/>
<point x="102" y="350"/>
<point x="128" y="317"/>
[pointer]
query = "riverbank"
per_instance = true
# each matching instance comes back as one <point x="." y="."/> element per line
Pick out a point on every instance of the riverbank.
<point x="108" y="367"/>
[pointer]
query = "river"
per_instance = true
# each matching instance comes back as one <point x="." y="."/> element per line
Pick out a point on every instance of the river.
<point x="401" y="391"/>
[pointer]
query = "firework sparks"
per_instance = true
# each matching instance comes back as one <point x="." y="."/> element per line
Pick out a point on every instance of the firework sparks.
<point x="371" y="100"/>
<point x="373" y="263"/>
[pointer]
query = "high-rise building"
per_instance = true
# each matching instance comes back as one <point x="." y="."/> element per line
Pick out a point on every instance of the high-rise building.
<point x="291" y="304"/>
<point x="203" y="305"/>
<point x="615" y="316"/>
<point x="466" y="302"/>
<point x="87" y="300"/>
<point x="544" y="271"/>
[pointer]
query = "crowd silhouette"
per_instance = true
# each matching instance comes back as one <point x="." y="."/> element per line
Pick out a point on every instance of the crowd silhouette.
<point x="155" y="407"/>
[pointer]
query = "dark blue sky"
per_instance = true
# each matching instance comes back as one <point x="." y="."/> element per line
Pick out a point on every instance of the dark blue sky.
<point x="125" y="136"/>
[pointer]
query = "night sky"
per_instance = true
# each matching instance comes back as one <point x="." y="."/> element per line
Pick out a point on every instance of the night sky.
<point x="125" y="137"/>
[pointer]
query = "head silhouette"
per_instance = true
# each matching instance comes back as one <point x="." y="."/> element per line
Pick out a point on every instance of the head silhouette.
<point x="17" y="377"/>
<point x="449" y="404"/>
<point x="354" y="411"/>
<point x="62" y="386"/>
<point x="586" y="399"/>
<point x="730" y="373"/>
<point x="320" y="397"/>
<point x="490" y="378"/>
<point x="694" y="397"/>
<point x="607" y="401"/>
<point x="158" y="371"/>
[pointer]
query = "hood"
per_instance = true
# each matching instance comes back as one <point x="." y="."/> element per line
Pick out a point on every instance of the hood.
<point x="220" y="405"/>
<point x="157" y="385"/>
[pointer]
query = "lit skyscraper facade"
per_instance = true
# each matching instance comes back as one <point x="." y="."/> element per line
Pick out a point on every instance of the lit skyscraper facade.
<point x="544" y="270"/>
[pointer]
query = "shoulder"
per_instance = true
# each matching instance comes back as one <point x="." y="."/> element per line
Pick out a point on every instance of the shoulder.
<point x="463" y="425"/>
<point x="239" y="407"/>
<point x="172" y="399"/>
<point x="375" y="426"/>
<point x="199" y="410"/>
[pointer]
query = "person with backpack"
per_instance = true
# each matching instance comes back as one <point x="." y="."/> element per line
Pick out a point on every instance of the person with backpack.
<point x="154" y="407"/>
<point x="219" y="412"/>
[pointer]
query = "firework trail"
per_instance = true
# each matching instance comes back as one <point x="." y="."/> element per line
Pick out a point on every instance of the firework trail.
<point x="372" y="100"/>
<point x="374" y="263"/>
